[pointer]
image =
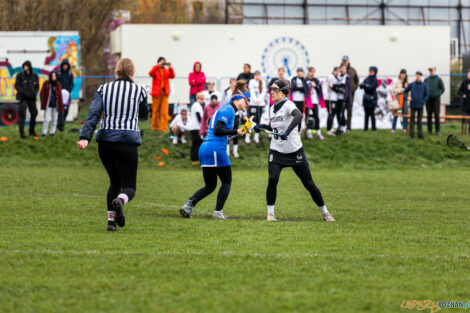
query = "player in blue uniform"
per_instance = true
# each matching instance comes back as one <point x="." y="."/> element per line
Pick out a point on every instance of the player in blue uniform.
<point x="213" y="152"/>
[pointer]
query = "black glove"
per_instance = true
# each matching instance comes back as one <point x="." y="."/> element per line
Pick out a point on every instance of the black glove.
<point x="260" y="127"/>
<point x="284" y="135"/>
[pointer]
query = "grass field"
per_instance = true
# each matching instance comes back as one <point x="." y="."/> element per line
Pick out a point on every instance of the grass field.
<point x="401" y="232"/>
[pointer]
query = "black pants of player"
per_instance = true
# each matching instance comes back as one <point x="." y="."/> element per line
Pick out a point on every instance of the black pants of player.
<point x="369" y="113"/>
<point x="341" y="104"/>
<point x="120" y="161"/>
<point x="433" y="107"/>
<point x="210" y="179"/>
<point x="61" y="119"/>
<point x="302" y="171"/>
<point x="33" y="111"/>
<point x="255" y="112"/>
<point x="414" y="113"/>
<point x="333" y="110"/>
<point x="196" y="143"/>
<point x="312" y="119"/>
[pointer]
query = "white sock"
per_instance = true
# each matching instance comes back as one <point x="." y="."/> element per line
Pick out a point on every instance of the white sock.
<point x="111" y="216"/>
<point x="270" y="209"/>
<point x="319" y="132"/>
<point x="256" y="136"/>
<point x="235" y="148"/>
<point x="323" y="209"/>
<point x="123" y="197"/>
<point x="309" y="132"/>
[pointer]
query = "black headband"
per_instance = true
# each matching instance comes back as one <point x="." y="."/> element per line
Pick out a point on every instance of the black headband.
<point x="282" y="87"/>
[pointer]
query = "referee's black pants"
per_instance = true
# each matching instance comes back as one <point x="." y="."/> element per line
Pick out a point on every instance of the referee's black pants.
<point x="302" y="171"/>
<point x="120" y="161"/>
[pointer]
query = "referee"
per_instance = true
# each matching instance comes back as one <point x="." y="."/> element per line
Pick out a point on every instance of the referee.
<point x="286" y="148"/>
<point x="118" y="104"/>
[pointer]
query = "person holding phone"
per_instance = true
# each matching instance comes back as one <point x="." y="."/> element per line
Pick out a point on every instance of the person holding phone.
<point x="161" y="74"/>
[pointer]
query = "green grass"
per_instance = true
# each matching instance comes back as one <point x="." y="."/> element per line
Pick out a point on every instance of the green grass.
<point x="401" y="231"/>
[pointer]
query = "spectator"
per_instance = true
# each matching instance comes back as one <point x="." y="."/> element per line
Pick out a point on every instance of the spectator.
<point x="227" y="94"/>
<point x="51" y="103"/>
<point x="331" y="97"/>
<point x="161" y="76"/>
<point x="65" y="78"/>
<point x="27" y="87"/>
<point x="354" y="84"/>
<point x="344" y="92"/>
<point x="313" y="106"/>
<point x="257" y="87"/>
<point x="280" y="75"/>
<point x="370" y="97"/>
<point x="180" y="126"/>
<point x="209" y="111"/>
<point x="464" y="92"/>
<point x="384" y="97"/>
<point x="210" y="92"/>
<point x="197" y="80"/>
<point x="433" y="104"/>
<point x="419" y="95"/>
<point x="299" y="91"/>
<point x="197" y="110"/>
<point x="398" y="90"/>
<point x="246" y="75"/>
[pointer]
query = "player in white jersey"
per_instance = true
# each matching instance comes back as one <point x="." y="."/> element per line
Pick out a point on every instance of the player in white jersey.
<point x="286" y="148"/>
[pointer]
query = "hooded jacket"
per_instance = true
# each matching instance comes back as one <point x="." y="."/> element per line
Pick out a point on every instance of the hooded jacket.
<point x="465" y="90"/>
<point x="46" y="93"/>
<point x="65" y="77"/>
<point x="168" y="73"/>
<point x="435" y="86"/>
<point x="27" y="85"/>
<point x="370" y="89"/>
<point x="419" y="94"/>
<point x="196" y="80"/>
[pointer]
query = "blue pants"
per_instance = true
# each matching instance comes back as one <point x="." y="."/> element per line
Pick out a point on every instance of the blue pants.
<point x="214" y="154"/>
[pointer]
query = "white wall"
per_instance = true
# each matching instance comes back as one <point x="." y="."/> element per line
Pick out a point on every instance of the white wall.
<point x="223" y="49"/>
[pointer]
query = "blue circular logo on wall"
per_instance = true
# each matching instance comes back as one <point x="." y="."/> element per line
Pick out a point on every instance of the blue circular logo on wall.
<point x="286" y="52"/>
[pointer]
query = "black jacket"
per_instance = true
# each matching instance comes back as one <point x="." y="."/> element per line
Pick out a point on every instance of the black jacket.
<point x="465" y="90"/>
<point x="304" y="88"/>
<point x="65" y="78"/>
<point x="370" y="91"/>
<point x="27" y="85"/>
<point x="318" y="88"/>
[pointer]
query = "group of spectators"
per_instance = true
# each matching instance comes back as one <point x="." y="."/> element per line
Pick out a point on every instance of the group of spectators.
<point x="55" y="97"/>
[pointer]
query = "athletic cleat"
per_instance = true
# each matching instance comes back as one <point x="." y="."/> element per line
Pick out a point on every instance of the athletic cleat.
<point x="118" y="207"/>
<point x="330" y="133"/>
<point x="218" y="215"/>
<point x="271" y="218"/>
<point x="186" y="211"/>
<point x="327" y="217"/>
<point x="111" y="226"/>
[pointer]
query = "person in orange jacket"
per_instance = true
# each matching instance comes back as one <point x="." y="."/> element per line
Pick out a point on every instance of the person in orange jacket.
<point x="161" y="76"/>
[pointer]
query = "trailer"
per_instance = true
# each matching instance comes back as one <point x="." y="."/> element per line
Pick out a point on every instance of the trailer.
<point x="46" y="50"/>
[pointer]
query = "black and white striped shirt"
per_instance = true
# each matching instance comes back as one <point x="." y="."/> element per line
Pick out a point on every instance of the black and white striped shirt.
<point x="121" y="100"/>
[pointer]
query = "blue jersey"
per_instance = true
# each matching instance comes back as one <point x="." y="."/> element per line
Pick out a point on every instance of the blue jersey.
<point x="213" y="151"/>
<point x="226" y="114"/>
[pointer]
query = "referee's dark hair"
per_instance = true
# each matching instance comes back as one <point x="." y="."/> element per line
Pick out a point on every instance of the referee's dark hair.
<point x="125" y="69"/>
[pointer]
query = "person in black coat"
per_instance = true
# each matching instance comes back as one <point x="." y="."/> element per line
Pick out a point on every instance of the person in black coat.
<point x="464" y="92"/>
<point x="27" y="87"/>
<point x="65" y="78"/>
<point x="370" y="97"/>
<point x="246" y="75"/>
<point x="299" y="90"/>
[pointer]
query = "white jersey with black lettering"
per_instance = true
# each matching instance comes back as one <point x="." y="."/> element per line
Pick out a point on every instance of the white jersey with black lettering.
<point x="279" y="122"/>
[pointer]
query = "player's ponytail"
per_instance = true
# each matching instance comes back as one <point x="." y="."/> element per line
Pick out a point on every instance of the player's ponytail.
<point x="240" y="87"/>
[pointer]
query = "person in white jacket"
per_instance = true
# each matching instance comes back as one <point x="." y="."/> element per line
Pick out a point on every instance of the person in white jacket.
<point x="197" y="110"/>
<point x="331" y="97"/>
<point x="210" y="91"/>
<point x="180" y="125"/>
<point x="257" y="87"/>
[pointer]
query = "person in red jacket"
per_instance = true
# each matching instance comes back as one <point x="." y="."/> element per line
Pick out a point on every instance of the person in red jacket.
<point x="161" y="76"/>
<point x="51" y="103"/>
<point x="196" y="79"/>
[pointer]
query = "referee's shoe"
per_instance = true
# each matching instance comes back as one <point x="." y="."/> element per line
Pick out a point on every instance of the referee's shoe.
<point x="118" y="207"/>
